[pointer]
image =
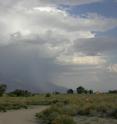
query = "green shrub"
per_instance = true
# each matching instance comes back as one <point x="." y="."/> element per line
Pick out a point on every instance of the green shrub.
<point x="58" y="114"/>
<point x="48" y="95"/>
<point x="6" y="107"/>
<point x="63" y="119"/>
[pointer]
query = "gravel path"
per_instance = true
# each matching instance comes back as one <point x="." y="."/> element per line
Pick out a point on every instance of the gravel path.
<point x="23" y="116"/>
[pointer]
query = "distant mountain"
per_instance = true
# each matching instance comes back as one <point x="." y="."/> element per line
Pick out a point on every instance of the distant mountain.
<point x="36" y="88"/>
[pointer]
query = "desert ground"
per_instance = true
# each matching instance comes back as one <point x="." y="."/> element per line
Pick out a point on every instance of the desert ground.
<point x="23" y="116"/>
<point x="59" y="109"/>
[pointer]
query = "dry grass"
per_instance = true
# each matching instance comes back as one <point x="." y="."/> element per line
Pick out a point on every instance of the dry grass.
<point x="96" y="106"/>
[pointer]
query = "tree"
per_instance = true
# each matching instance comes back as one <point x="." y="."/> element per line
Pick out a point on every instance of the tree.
<point x="70" y="91"/>
<point x="3" y="88"/>
<point x="90" y="91"/>
<point x="81" y="90"/>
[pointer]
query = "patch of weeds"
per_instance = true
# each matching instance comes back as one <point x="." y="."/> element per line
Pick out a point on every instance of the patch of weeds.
<point x="58" y="114"/>
<point x="63" y="119"/>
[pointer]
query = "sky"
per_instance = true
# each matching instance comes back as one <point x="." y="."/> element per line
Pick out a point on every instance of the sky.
<point x="48" y="45"/>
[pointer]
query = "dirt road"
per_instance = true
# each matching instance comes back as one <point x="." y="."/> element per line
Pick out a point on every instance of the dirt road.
<point x="24" y="116"/>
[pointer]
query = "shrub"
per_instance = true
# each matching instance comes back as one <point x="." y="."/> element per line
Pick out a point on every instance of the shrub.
<point x="63" y="119"/>
<point x="48" y="95"/>
<point x="58" y="114"/>
<point x="70" y="91"/>
<point x="19" y="93"/>
<point x="6" y="107"/>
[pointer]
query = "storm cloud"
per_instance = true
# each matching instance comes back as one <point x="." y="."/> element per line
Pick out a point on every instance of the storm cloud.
<point x="45" y="48"/>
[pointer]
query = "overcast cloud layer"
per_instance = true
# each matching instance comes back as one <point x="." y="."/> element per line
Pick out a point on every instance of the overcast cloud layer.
<point x="43" y="47"/>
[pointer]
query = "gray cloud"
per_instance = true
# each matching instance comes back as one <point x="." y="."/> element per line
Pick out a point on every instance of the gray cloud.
<point x="92" y="77"/>
<point x="96" y="46"/>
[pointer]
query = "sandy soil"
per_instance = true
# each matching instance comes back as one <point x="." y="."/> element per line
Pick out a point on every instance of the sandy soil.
<point x="24" y="116"/>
